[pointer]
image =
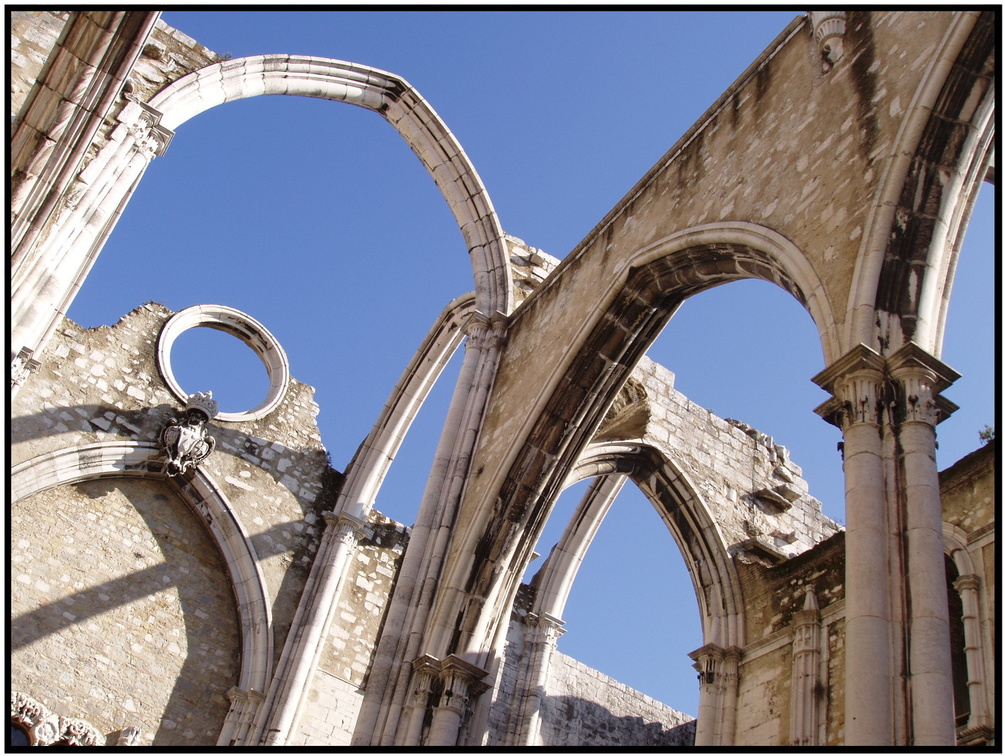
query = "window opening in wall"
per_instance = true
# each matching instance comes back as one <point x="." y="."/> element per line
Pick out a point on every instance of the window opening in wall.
<point x="632" y="613"/>
<point x="276" y="225"/>
<point x="747" y="351"/>
<point x="206" y="359"/>
<point x="957" y="645"/>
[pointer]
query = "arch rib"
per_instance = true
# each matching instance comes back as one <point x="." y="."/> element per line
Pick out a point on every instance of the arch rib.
<point x="400" y="105"/>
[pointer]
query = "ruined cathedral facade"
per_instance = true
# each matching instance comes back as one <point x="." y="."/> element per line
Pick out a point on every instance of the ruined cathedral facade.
<point x="184" y="576"/>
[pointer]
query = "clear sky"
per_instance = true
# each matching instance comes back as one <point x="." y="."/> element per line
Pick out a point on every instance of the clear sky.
<point x="316" y="219"/>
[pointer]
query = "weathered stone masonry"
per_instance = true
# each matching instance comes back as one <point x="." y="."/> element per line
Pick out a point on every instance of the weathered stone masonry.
<point x="265" y="600"/>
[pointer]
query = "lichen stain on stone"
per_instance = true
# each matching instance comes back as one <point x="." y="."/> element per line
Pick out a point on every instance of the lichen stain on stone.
<point x="863" y="76"/>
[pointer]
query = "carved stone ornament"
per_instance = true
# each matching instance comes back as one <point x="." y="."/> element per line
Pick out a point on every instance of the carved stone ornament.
<point x="185" y="441"/>
<point x="46" y="728"/>
<point x="828" y="31"/>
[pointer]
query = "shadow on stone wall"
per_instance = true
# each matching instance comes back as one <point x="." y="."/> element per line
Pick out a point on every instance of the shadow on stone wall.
<point x="197" y="699"/>
<point x="572" y="721"/>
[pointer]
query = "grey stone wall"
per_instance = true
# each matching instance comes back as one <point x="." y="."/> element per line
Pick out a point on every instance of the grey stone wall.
<point x="121" y="611"/>
<point x="584" y="707"/>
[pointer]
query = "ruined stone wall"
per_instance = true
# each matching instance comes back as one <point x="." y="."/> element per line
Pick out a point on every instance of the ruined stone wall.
<point x="772" y="596"/>
<point x="584" y="707"/>
<point x="737" y="469"/>
<point x="103" y="385"/>
<point x="33" y="35"/>
<point x="122" y="613"/>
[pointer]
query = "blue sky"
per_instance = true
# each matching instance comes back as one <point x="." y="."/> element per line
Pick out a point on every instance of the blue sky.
<point x="317" y="220"/>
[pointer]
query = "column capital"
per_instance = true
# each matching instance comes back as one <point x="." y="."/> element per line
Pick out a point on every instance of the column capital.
<point x="855" y="380"/>
<point x="919" y="379"/>
<point x="143" y="122"/>
<point x="545" y="627"/>
<point x="486" y="332"/>
<point x="345" y="527"/>
<point x="966" y="583"/>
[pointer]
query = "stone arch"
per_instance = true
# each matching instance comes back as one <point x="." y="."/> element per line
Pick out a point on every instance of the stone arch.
<point x="687" y="518"/>
<point x="368" y="468"/>
<point x="941" y="153"/>
<point x="205" y="499"/>
<point x="399" y="104"/>
<point x="44" y="288"/>
<point x="648" y="289"/>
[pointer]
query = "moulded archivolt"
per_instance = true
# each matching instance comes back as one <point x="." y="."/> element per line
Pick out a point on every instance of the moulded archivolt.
<point x="245" y="328"/>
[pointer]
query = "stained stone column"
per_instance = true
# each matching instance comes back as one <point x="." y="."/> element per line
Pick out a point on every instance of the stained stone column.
<point x="241" y="716"/>
<point x="461" y="684"/>
<point x="856" y="381"/>
<point x="918" y="378"/>
<point x="805" y="671"/>
<point x="730" y="686"/>
<point x="542" y="637"/>
<point x="425" y="670"/>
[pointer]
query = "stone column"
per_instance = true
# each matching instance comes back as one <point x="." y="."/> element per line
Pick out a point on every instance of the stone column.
<point x="43" y="289"/>
<point x="805" y="671"/>
<point x="708" y="662"/>
<point x="918" y="378"/>
<point x="967" y="586"/>
<point x="241" y="716"/>
<point x="461" y="684"/>
<point x="731" y="688"/>
<point x="409" y="630"/>
<point x="542" y="636"/>
<point x="303" y="645"/>
<point x="425" y="670"/>
<point x="856" y="381"/>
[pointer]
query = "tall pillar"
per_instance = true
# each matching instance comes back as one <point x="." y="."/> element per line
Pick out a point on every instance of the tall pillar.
<point x="856" y="381"/>
<point x="425" y="670"/>
<point x="719" y="679"/>
<point x="240" y="718"/>
<point x="918" y="378"/>
<point x="967" y="586"/>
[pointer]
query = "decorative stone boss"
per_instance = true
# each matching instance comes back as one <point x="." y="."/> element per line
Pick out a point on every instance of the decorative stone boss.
<point x="185" y="441"/>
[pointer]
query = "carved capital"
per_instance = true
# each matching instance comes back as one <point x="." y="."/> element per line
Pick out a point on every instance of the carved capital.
<point x="919" y="378"/>
<point x="142" y="122"/>
<point x="966" y="583"/>
<point x="462" y="683"/>
<point x="345" y="528"/>
<point x="486" y="333"/>
<point x="22" y="366"/>
<point x="544" y="628"/>
<point x="856" y="382"/>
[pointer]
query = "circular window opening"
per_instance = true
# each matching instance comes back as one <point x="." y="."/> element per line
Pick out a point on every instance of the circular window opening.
<point x="218" y="362"/>
<point x="207" y="359"/>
